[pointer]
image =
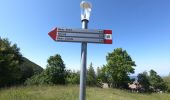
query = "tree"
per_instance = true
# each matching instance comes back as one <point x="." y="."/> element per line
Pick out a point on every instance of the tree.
<point x="73" y="77"/>
<point x="102" y="75"/>
<point x="119" y="66"/>
<point x="98" y="72"/>
<point x="167" y="80"/>
<point x="10" y="58"/>
<point x="91" y="76"/>
<point x="143" y="80"/>
<point x="56" y="70"/>
<point x="157" y="82"/>
<point x="152" y="82"/>
<point x="55" y="73"/>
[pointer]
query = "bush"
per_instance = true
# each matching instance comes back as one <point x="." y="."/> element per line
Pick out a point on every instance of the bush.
<point x="167" y="80"/>
<point x="152" y="82"/>
<point x="73" y="77"/>
<point x="54" y="74"/>
<point x="40" y="79"/>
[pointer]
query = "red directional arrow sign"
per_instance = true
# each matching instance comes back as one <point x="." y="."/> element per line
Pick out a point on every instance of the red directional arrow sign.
<point x="81" y="35"/>
<point x="53" y="34"/>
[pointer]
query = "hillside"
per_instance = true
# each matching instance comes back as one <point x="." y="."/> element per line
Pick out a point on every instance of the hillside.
<point x="36" y="68"/>
<point x="72" y="93"/>
<point x="29" y="68"/>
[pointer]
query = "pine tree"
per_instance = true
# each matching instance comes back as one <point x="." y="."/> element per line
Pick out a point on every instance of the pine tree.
<point x="91" y="76"/>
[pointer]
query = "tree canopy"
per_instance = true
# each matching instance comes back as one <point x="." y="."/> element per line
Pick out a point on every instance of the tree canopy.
<point x="14" y="68"/>
<point x="119" y="66"/>
<point x="157" y="82"/>
<point x="56" y="69"/>
<point x="143" y="79"/>
<point x="151" y="82"/>
<point x="10" y="58"/>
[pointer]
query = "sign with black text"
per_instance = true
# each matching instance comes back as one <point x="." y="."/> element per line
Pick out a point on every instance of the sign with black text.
<point x="81" y="35"/>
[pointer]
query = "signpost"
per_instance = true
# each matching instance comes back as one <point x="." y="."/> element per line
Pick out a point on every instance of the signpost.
<point x="82" y="36"/>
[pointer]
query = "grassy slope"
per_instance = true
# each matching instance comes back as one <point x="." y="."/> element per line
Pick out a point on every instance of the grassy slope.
<point x="72" y="92"/>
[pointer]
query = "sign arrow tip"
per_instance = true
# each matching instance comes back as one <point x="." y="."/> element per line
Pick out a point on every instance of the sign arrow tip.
<point x="53" y="34"/>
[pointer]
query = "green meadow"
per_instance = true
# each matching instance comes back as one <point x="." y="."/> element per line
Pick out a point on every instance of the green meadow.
<point x="72" y="93"/>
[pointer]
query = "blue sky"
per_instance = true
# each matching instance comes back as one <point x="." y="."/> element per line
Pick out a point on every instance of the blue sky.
<point x="141" y="27"/>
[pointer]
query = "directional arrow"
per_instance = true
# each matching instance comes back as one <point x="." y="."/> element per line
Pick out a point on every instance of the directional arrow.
<point x="81" y="35"/>
<point x="53" y="34"/>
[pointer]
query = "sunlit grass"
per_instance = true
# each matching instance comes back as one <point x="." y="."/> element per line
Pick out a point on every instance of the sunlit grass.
<point x="72" y="93"/>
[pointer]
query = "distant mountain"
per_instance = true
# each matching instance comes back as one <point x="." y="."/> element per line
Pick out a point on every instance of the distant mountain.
<point x="28" y="69"/>
<point x="36" y="68"/>
<point x="133" y="77"/>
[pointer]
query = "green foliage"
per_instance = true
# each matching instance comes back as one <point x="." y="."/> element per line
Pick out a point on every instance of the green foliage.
<point x="152" y="82"/>
<point x="99" y="75"/>
<point x="102" y="76"/>
<point x="14" y="69"/>
<point x="28" y="69"/>
<point x="143" y="80"/>
<point x="54" y="73"/>
<point x="91" y="76"/>
<point x="167" y="80"/>
<point x="56" y="69"/>
<point x="73" y="77"/>
<point x="119" y="66"/>
<point x="157" y="82"/>
<point x="10" y="58"/>
<point x="39" y="79"/>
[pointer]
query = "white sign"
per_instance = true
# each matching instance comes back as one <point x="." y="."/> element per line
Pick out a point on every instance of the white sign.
<point x="81" y="35"/>
<point x="74" y="39"/>
<point x="85" y="35"/>
<point x="79" y="30"/>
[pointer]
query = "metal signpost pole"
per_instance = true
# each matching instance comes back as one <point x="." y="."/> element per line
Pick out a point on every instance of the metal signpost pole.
<point x="82" y="36"/>
<point x="85" y="14"/>
<point x="83" y="64"/>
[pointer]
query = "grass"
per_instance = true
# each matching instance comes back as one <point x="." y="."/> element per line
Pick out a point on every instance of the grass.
<point x="72" y="93"/>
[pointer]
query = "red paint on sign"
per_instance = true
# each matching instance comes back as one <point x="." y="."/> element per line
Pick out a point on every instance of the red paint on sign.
<point x="53" y="34"/>
<point x="107" y="31"/>
<point x="107" y="41"/>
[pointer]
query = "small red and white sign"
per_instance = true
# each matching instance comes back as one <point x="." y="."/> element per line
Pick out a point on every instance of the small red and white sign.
<point x="107" y="36"/>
